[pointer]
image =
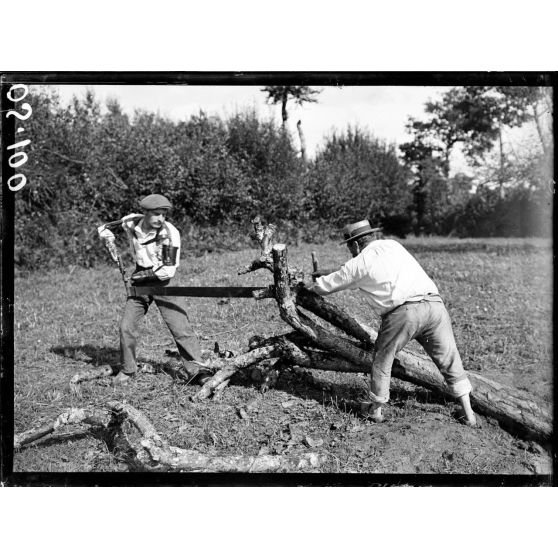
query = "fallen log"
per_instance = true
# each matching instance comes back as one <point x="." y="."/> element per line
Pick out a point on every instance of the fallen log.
<point x="318" y="360"/>
<point x="334" y="315"/>
<point x="154" y="453"/>
<point x="77" y="379"/>
<point x="162" y="455"/>
<point x="303" y="324"/>
<point x="222" y="369"/>
<point x="230" y="366"/>
<point x="96" y="417"/>
<point x="514" y="410"/>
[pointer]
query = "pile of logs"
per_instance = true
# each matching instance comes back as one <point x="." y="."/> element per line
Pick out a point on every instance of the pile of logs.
<point x="310" y="346"/>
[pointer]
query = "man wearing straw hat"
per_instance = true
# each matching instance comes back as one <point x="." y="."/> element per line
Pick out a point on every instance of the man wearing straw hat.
<point x="408" y="301"/>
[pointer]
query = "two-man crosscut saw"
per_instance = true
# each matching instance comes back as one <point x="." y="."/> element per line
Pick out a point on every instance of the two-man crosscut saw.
<point x="210" y="292"/>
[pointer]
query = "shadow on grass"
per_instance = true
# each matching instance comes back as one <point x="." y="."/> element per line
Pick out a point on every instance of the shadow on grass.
<point x="101" y="356"/>
<point x="116" y="445"/>
<point x="57" y="439"/>
<point x="92" y="354"/>
<point x="300" y="383"/>
<point x="305" y="385"/>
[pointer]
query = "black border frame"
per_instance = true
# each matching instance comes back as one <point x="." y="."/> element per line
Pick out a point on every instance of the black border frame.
<point x="7" y="202"/>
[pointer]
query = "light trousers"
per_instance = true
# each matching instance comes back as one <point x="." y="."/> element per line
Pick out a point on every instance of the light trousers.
<point x="429" y="323"/>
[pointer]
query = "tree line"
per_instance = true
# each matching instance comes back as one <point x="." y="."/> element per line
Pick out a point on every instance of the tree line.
<point x="90" y="162"/>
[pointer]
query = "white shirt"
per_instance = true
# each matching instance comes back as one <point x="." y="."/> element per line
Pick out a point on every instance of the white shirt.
<point x="150" y="255"/>
<point x="386" y="274"/>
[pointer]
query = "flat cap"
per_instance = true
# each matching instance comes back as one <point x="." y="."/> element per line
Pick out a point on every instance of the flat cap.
<point x="155" y="201"/>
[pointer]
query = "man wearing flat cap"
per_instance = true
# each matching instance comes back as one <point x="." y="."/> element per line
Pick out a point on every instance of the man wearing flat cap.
<point x="408" y="301"/>
<point x="155" y="244"/>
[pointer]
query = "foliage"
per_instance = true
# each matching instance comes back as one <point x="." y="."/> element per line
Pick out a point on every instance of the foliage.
<point x="268" y="155"/>
<point x="475" y="117"/>
<point x="472" y="116"/>
<point x="280" y="94"/>
<point x="357" y="176"/>
<point x="520" y="214"/>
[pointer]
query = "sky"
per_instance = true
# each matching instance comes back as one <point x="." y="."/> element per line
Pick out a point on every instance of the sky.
<point x="382" y="110"/>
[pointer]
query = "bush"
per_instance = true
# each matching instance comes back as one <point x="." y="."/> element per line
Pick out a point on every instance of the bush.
<point x="522" y="213"/>
<point x="357" y="176"/>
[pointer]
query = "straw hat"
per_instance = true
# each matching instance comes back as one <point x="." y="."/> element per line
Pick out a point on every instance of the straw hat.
<point x="356" y="230"/>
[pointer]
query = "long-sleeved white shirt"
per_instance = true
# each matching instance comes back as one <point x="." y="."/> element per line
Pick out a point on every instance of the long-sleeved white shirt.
<point x="386" y="274"/>
<point x="150" y="255"/>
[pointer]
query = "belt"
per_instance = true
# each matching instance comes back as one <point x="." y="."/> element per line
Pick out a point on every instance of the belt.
<point x="430" y="297"/>
<point x="153" y="283"/>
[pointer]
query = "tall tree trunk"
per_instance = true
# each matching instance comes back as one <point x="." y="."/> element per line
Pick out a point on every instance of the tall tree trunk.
<point x="501" y="171"/>
<point x="538" y="123"/>
<point x="302" y="143"/>
<point x="419" y="194"/>
<point x="447" y="162"/>
<point x="284" y="113"/>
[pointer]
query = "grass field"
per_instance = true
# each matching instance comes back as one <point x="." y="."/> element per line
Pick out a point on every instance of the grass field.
<point x="498" y="292"/>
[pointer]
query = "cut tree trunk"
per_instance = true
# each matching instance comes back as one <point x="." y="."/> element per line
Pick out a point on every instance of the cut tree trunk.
<point x="302" y="143"/>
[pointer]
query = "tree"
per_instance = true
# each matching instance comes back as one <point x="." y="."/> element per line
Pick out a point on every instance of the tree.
<point x="282" y="93"/>
<point x="268" y="156"/>
<point x="357" y="176"/>
<point x="300" y="94"/>
<point x="475" y="116"/>
<point x="524" y="103"/>
<point x="428" y="168"/>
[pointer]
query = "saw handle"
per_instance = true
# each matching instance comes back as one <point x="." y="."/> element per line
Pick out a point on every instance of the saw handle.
<point x="120" y="221"/>
<point x="314" y="265"/>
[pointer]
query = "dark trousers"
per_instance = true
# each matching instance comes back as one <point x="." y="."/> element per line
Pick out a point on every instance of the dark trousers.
<point x="174" y="314"/>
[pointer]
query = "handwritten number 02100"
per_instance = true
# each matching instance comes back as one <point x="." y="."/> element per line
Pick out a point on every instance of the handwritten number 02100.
<point x="17" y="93"/>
